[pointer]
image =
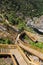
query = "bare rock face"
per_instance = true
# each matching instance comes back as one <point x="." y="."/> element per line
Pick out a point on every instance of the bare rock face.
<point x="39" y="24"/>
<point x="36" y="23"/>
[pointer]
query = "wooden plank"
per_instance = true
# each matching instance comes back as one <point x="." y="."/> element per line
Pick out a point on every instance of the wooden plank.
<point x="13" y="60"/>
<point x="25" y="58"/>
<point x="31" y="50"/>
<point x="19" y="57"/>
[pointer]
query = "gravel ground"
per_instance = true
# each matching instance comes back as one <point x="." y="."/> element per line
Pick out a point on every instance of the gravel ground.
<point x="6" y="61"/>
<point x="35" y="58"/>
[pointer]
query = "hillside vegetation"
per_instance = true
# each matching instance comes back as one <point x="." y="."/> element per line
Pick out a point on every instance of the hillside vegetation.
<point x="17" y="10"/>
<point x="26" y="7"/>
